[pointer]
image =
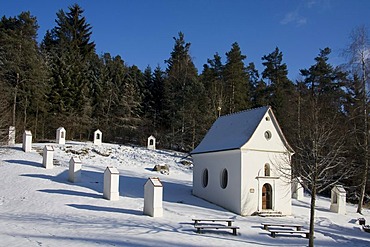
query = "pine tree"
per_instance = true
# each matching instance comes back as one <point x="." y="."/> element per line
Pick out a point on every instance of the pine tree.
<point x="181" y="91"/>
<point x="237" y="85"/>
<point x="23" y="69"/>
<point x="282" y="93"/>
<point x="70" y="54"/>
<point x="212" y="79"/>
<point x="259" y="90"/>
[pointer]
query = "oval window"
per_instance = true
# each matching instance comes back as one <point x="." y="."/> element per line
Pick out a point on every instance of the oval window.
<point x="224" y="178"/>
<point x="205" y="178"/>
<point x="268" y="135"/>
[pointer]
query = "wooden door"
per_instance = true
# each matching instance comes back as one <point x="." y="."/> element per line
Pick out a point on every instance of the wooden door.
<point x="266" y="196"/>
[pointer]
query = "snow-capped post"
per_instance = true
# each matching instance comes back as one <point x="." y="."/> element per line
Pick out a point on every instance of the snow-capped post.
<point x="151" y="142"/>
<point x="61" y="136"/>
<point x="153" y="194"/>
<point x="27" y="141"/>
<point x="98" y="137"/>
<point x="297" y="188"/>
<point x="338" y="199"/>
<point x="111" y="184"/>
<point x="48" y="154"/>
<point x="11" y="140"/>
<point x="75" y="168"/>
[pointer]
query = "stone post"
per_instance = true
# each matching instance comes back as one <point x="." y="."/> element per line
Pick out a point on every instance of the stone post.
<point x="153" y="194"/>
<point x="11" y="140"/>
<point x="297" y="189"/>
<point x="98" y="137"/>
<point x="27" y="141"/>
<point x="151" y="142"/>
<point x="48" y="154"/>
<point x="75" y="167"/>
<point x="338" y="199"/>
<point x="61" y="136"/>
<point x="111" y="184"/>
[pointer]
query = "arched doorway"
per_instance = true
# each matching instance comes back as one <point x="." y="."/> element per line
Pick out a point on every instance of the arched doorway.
<point x="266" y="196"/>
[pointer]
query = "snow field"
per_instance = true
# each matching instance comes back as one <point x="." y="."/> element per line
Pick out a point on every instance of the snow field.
<point x="39" y="207"/>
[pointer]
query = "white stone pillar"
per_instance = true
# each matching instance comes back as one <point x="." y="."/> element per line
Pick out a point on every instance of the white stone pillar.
<point x="48" y="154"/>
<point x="297" y="189"/>
<point x="153" y="196"/>
<point x="111" y="184"/>
<point x="11" y="140"/>
<point x="27" y="141"/>
<point x="151" y="142"/>
<point x="75" y="167"/>
<point x="98" y="137"/>
<point x="61" y="136"/>
<point x="338" y="199"/>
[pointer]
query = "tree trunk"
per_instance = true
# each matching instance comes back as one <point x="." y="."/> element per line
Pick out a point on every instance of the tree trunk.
<point x="36" y="122"/>
<point x="15" y="99"/>
<point x="364" y="173"/>
<point x="312" y="215"/>
<point x="25" y="115"/>
<point x="366" y="142"/>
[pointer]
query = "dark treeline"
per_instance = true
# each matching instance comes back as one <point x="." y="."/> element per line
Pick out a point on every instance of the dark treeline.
<point x="63" y="82"/>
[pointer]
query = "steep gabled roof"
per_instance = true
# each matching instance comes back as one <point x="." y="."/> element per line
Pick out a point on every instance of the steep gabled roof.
<point x="231" y="131"/>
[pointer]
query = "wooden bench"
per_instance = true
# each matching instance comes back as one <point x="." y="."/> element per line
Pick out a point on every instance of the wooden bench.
<point x="229" y="221"/>
<point x="266" y="225"/>
<point x="205" y="227"/>
<point x="274" y="232"/>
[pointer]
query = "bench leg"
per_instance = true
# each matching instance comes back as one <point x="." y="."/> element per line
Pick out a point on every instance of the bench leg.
<point x="198" y="230"/>
<point x="299" y="228"/>
<point x="265" y="227"/>
<point x="307" y="235"/>
<point x="273" y="234"/>
<point x="234" y="231"/>
<point x="229" y="223"/>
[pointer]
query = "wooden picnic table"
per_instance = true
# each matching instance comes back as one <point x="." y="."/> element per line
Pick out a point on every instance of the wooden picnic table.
<point x="266" y="225"/>
<point x="206" y="225"/>
<point x="274" y="232"/>
<point x="199" y="227"/>
<point x="229" y="221"/>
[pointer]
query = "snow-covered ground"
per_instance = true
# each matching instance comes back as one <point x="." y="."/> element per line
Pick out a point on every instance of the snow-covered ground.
<point x="39" y="207"/>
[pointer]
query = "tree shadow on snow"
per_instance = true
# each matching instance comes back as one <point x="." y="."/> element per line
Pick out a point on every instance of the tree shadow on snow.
<point x="129" y="186"/>
<point x="72" y="193"/>
<point x="24" y="162"/>
<point x="14" y="148"/>
<point x="302" y="204"/>
<point x="106" y="209"/>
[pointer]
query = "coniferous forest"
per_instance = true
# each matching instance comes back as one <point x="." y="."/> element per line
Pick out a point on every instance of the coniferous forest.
<point x="61" y="81"/>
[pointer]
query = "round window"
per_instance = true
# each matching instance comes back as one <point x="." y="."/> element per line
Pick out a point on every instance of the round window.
<point x="205" y="178"/>
<point x="268" y="135"/>
<point x="224" y="178"/>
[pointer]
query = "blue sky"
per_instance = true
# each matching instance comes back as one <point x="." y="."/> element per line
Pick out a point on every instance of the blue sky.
<point x="142" y="32"/>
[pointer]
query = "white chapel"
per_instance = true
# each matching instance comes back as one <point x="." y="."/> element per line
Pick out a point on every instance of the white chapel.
<point x="243" y="164"/>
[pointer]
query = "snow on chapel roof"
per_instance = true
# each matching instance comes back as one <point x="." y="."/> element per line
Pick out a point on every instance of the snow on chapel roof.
<point x="231" y="131"/>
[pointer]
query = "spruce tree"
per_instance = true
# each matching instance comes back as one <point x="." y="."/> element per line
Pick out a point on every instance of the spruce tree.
<point x="181" y="91"/>
<point x="23" y="70"/>
<point x="237" y="84"/>
<point x="71" y="52"/>
<point x="281" y="91"/>
<point x="212" y="79"/>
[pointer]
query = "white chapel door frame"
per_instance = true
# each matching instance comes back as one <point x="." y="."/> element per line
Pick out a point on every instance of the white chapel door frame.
<point x="261" y="183"/>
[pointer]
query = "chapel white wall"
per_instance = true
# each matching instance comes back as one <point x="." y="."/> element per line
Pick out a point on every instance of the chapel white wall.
<point x="215" y="162"/>
<point x="258" y="140"/>
<point x="253" y="179"/>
